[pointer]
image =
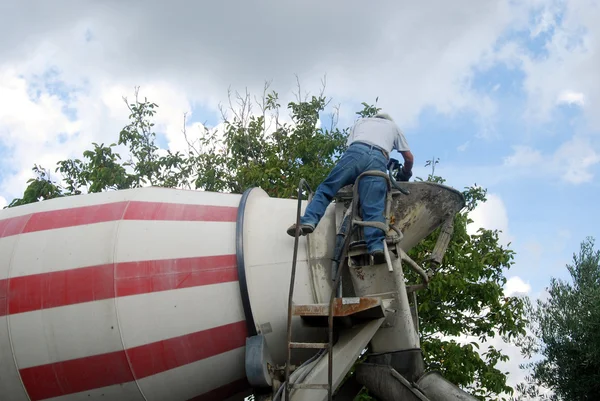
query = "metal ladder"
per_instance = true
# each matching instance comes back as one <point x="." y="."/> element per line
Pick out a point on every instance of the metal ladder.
<point x="290" y="343"/>
<point x="336" y="289"/>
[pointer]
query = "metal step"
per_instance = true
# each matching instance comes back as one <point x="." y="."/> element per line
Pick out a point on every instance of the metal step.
<point x="310" y="386"/>
<point x="309" y="345"/>
<point x="370" y="307"/>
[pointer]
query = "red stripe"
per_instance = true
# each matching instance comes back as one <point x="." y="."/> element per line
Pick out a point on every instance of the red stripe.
<point x="87" y="284"/>
<point x="226" y="391"/>
<point x="179" y="212"/>
<point x="13" y="225"/>
<point x="73" y="376"/>
<point x="161" y="275"/>
<point x="161" y="356"/>
<point x="68" y="287"/>
<point x="130" y="210"/>
<point x="84" y="374"/>
<point x="78" y="216"/>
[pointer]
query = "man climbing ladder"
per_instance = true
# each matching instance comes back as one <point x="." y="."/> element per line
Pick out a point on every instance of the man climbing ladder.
<point x="369" y="144"/>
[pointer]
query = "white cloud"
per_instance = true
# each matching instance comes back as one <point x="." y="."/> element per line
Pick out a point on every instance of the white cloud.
<point x="572" y="161"/>
<point x="575" y="158"/>
<point x="182" y="60"/>
<point x="524" y="156"/>
<point x="570" y="97"/>
<point x="491" y="215"/>
<point x="30" y="129"/>
<point x="571" y="60"/>
<point x="360" y="62"/>
<point x="36" y="129"/>
<point x="2" y="202"/>
<point x="515" y="286"/>
<point x="37" y="116"/>
<point x="187" y="64"/>
<point x="546" y="19"/>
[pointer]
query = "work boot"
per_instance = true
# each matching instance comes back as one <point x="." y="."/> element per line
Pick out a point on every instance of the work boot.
<point x="378" y="257"/>
<point x="304" y="229"/>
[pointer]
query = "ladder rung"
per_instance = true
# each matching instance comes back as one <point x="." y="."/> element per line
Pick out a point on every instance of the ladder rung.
<point x="309" y="345"/>
<point x="310" y="386"/>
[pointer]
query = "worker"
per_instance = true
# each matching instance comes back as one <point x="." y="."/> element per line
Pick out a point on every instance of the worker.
<point x="369" y="142"/>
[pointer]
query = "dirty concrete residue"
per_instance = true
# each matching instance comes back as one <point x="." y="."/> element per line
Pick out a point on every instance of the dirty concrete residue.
<point x="419" y="213"/>
<point x="424" y="209"/>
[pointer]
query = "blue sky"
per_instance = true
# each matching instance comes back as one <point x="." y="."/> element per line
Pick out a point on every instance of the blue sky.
<point x="505" y="93"/>
<point x="541" y="211"/>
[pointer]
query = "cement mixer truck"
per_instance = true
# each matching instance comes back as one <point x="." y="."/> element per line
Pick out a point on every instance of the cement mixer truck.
<point x="173" y="295"/>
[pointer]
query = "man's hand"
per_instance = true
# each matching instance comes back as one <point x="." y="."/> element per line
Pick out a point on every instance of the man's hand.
<point x="406" y="172"/>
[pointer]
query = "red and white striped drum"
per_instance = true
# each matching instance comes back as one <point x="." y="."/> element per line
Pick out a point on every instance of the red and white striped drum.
<point x="134" y="295"/>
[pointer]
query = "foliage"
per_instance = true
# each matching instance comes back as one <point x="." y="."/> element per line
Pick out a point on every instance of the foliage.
<point x="256" y="149"/>
<point x="565" y="334"/>
<point x="465" y="299"/>
<point x="248" y="156"/>
<point x="40" y="188"/>
<point x="247" y="153"/>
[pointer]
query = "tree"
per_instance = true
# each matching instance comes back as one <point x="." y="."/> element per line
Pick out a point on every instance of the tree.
<point x="248" y="151"/>
<point x="255" y="149"/>
<point x="40" y="188"/>
<point x="565" y="333"/>
<point x="466" y="299"/>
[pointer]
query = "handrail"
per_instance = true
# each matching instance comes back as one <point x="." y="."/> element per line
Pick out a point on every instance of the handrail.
<point x="302" y="183"/>
<point x="387" y="225"/>
<point x="415" y="266"/>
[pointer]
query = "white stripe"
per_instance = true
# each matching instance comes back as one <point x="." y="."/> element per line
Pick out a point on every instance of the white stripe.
<point x="189" y="197"/>
<point x="152" y="240"/>
<point x="91" y="245"/>
<point x="157" y="316"/>
<point x="81" y="330"/>
<point x="63" y="249"/>
<point x="150" y="194"/>
<point x="119" y="392"/>
<point x="194" y="379"/>
<point x="69" y="332"/>
<point x="6" y="252"/>
<point x="11" y="388"/>
<point x="265" y="228"/>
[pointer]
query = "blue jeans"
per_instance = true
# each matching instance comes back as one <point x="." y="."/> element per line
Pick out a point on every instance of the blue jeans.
<point x="372" y="191"/>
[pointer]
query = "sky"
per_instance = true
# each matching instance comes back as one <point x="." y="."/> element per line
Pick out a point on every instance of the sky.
<point x="504" y="93"/>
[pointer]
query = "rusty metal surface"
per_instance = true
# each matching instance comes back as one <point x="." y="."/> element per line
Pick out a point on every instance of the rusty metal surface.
<point x="342" y="307"/>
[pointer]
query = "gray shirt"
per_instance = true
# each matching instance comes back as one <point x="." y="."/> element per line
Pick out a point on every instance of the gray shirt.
<point x="380" y="132"/>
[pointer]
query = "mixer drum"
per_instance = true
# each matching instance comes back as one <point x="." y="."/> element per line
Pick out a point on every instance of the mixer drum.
<point x="127" y="295"/>
<point x="151" y="293"/>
